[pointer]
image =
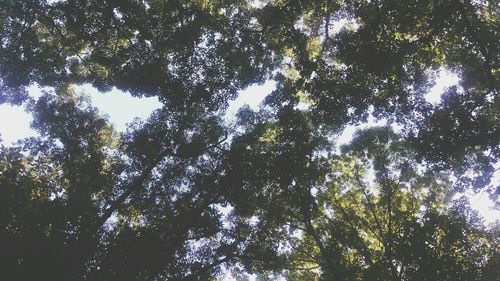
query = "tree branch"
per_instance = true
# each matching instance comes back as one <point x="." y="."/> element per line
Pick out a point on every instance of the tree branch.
<point x="370" y="206"/>
<point x="137" y="183"/>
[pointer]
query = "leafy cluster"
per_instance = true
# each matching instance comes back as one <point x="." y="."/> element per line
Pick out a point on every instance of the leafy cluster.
<point x="186" y="196"/>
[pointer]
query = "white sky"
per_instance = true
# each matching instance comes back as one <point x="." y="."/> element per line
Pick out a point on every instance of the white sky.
<point x="122" y="108"/>
<point x="252" y="97"/>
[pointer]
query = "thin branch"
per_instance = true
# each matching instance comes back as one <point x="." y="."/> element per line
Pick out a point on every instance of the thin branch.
<point x="328" y="259"/>
<point x="208" y="267"/>
<point x="370" y="205"/>
<point x="303" y="268"/>
<point x="138" y="182"/>
<point x="327" y="28"/>
<point x="355" y="229"/>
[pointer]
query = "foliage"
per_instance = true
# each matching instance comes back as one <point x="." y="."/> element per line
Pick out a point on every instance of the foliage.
<point x="183" y="195"/>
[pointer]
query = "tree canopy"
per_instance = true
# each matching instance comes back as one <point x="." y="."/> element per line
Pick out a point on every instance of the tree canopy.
<point x="187" y="196"/>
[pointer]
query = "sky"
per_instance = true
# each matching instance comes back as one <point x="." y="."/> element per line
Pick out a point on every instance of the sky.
<point x="122" y="108"/>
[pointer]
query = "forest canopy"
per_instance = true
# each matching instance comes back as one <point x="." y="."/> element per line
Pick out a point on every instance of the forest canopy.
<point x="186" y="196"/>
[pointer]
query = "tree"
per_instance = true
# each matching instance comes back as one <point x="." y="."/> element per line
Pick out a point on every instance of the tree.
<point x="63" y="190"/>
<point x="181" y="194"/>
<point x="399" y="227"/>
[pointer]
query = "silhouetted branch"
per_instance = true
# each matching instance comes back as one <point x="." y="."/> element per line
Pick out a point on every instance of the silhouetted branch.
<point x="138" y="182"/>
